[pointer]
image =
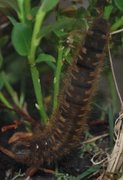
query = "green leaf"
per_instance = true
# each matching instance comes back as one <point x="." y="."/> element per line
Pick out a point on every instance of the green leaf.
<point x="51" y="65"/>
<point x="3" y="40"/>
<point x="1" y="81"/>
<point x="45" y="58"/>
<point x="1" y="59"/>
<point x="60" y="33"/>
<point x="119" y="4"/>
<point x="48" y="5"/>
<point x="12" y="20"/>
<point x="88" y="172"/>
<point x="5" y="101"/>
<point x="117" y="24"/>
<point x="57" y="26"/>
<point x="9" y="3"/>
<point x="108" y="11"/>
<point x="48" y="59"/>
<point x="21" y="38"/>
<point x="34" y="11"/>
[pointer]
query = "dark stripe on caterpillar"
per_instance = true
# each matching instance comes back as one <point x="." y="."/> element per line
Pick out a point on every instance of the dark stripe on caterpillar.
<point x="68" y="122"/>
<point x="96" y="38"/>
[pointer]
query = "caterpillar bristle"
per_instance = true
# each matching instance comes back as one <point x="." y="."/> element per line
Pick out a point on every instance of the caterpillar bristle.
<point x="67" y="124"/>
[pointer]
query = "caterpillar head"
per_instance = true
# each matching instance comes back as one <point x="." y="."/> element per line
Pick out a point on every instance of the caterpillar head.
<point x="21" y="151"/>
<point x="32" y="152"/>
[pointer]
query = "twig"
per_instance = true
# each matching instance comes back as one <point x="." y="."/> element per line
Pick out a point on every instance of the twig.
<point x="19" y="174"/>
<point x="49" y="171"/>
<point x="20" y="111"/>
<point x="7" y="152"/>
<point x="116" y="32"/>
<point x="24" y="114"/>
<point x="96" y="138"/>
<point x="98" y="162"/>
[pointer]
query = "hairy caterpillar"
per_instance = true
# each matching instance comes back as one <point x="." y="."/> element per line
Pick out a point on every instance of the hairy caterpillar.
<point x="68" y="122"/>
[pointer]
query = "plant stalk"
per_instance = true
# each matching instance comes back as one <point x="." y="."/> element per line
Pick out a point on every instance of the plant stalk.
<point x="32" y="59"/>
<point x="57" y="77"/>
<point x="28" y="9"/>
<point x="21" y="13"/>
<point x="35" y="36"/>
<point x="38" y="93"/>
<point x="5" y="101"/>
<point x="10" y="89"/>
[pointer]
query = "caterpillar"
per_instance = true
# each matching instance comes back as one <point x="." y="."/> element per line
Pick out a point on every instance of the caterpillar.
<point x="64" y="131"/>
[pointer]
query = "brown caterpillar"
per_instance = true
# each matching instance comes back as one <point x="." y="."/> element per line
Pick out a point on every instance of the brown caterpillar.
<point x="64" y="130"/>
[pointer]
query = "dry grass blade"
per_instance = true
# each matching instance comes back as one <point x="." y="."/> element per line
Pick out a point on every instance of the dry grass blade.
<point x="118" y="31"/>
<point x="121" y="178"/>
<point x="114" y="77"/>
<point x="96" y="138"/>
<point x="116" y="158"/>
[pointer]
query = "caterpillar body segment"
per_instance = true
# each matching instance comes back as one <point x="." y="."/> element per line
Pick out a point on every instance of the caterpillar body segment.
<point x="67" y="124"/>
